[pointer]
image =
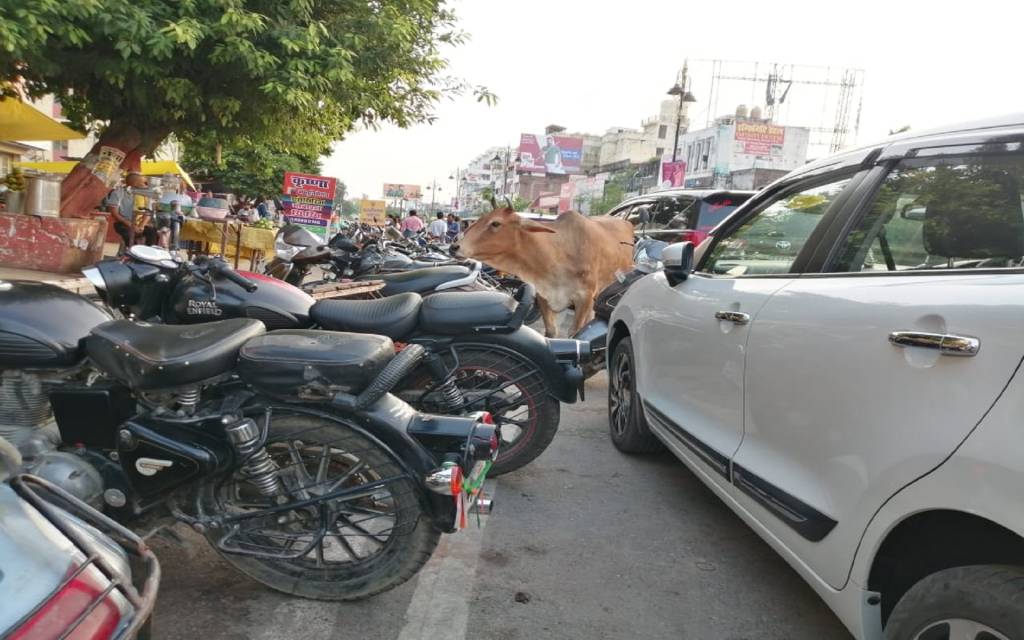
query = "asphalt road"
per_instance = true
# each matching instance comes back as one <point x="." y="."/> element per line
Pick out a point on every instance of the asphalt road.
<point x="585" y="543"/>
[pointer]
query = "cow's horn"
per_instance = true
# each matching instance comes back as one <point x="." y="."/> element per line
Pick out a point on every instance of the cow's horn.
<point x="509" y="202"/>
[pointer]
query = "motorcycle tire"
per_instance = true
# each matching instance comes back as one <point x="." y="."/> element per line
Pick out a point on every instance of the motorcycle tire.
<point x="311" y="454"/>
<point x="527" y="413"/>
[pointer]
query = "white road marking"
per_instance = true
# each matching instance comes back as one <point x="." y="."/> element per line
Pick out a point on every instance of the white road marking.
<point x="440" y="603"/>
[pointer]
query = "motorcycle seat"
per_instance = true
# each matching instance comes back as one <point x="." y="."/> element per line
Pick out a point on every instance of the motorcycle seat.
<point x="394" y="317"/>
<point x="464" y="312"/>
<point x="417" y="280"/>
<point x="146" y="356"/>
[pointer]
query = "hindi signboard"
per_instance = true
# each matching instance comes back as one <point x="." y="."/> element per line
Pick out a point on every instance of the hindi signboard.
<point x="373" y="212"/>
<point x="759" y="138"/>
<point x="308" y="201"/>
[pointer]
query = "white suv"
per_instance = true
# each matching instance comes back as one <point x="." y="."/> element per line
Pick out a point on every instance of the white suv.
<point x="841" y="363"/>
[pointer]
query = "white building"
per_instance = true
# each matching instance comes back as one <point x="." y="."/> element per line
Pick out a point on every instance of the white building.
<point x="742" y="152"/>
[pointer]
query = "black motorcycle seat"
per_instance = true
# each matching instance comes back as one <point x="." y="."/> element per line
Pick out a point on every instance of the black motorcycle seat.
<point x="394" y="317"/>
<point x="463" y="312"/>
<point x="283" y="362"/>
<point x="155" y="356"/>
<point x="417" y="280"/>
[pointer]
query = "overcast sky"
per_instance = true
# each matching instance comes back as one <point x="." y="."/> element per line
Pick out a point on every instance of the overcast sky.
<point x="588" y="67"/>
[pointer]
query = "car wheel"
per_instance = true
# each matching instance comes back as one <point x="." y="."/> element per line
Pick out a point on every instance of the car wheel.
<point x="981" y="602"/>
<point x="625" y="417"/>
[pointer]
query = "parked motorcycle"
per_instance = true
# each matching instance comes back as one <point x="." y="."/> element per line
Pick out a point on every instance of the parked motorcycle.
<point x="286" y="450"/>
<point x="646" y="260"/>
<point x="478" y="355"/>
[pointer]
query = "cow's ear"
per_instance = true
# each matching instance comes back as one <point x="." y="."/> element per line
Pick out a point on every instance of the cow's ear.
<point x="536" y="227"/>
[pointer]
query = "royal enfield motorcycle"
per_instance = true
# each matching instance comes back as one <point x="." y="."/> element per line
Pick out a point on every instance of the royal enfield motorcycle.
<point x="478" y="356"/>
<point x="286" y="449"/>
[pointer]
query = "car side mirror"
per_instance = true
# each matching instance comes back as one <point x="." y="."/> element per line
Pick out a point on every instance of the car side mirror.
<point x="913" y="212"/>
<point x="678" y="261"/>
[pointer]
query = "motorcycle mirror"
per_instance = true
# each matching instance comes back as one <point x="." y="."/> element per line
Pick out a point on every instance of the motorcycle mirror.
<point x="678" y="260"/>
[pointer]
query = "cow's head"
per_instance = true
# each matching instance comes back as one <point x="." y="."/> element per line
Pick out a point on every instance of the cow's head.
<point x="497" y="233"/>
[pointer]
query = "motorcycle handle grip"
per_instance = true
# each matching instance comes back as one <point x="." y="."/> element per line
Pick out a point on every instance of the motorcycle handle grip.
<point x="230" y="274"/>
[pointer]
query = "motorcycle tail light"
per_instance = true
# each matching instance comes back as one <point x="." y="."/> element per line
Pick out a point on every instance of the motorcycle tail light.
<point x="82" y="609"/>
<point x="456" y="482"/>
<point x="486" y="417"/>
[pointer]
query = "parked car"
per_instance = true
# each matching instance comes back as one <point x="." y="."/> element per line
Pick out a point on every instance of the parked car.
<point x="678" y="215"/>
<point x="66" y="570"/>
<point x="856" y="397"/>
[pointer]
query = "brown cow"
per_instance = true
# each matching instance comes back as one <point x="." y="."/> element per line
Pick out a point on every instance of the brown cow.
<point x="569" y="260"/>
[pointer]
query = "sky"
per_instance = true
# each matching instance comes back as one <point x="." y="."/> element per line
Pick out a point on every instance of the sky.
<point x="590" y="64"/>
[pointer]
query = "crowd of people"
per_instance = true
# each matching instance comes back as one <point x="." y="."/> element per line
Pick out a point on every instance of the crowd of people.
<point x="441" y="229"/>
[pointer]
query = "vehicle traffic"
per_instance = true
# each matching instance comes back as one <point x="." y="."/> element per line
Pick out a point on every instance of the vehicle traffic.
<point x="852" y="395"/>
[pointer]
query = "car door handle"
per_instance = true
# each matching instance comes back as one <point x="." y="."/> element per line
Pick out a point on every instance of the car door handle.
<point x="734" y="317"/>
<point x="945" y="343"/>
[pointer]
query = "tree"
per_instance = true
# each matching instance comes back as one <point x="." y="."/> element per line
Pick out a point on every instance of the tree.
<point x="296" y="74"/>
<point x="247" y="169"/>
<point x="614" y="193"/>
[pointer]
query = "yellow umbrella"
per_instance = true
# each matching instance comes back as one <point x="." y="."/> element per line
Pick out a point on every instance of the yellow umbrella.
<point x="149" y="168"/>
<point x="19" y="121"/>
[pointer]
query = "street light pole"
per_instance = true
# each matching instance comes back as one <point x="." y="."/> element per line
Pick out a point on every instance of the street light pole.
<point x="679" y="89"/>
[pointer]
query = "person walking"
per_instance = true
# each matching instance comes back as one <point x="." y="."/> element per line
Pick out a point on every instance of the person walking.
<point x="453" y="227"/>
<point x="411" y="225"/>
<point x="438" y="228"/>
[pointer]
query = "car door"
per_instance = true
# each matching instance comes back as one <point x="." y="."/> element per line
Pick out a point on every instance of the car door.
<point x="868" y="375"/>
<point x="692" y="338"/>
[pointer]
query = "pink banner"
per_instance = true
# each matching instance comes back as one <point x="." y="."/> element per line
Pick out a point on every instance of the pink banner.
<point x="673" y="173"/>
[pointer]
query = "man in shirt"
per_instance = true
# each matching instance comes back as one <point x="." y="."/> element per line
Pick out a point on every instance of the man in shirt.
<point x="453" y="227"/>
<point x="411" y="225"/>
<point x="438" y="228"/>
<point x="121" y="204"/>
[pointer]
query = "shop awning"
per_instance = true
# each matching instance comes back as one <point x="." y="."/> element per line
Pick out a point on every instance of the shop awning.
<point x="19" y="121"/>
<point x="149" y="168"/>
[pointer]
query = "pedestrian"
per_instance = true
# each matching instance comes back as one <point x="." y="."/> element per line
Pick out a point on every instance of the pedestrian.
<point x="438" y="228"/>
<point x="411" y="225"/>
<point x="123" y="204"/>
<point x="262" y="209"/>
<point x="453" y="227"/>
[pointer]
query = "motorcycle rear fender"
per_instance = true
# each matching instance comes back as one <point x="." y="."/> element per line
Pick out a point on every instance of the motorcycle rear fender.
<point x="564" y="380"/>
<point x="387" y="423"/>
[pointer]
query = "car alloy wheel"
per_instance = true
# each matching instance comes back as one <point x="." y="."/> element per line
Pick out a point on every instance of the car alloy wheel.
<point x="621" y="393"/>
<point x="959" y="629"/>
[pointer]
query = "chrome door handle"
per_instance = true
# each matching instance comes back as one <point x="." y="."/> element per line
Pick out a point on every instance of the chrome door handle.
<point x="946" y="344"/>
<point x="734" y="317"/>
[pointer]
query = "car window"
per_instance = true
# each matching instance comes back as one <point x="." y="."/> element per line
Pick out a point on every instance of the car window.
<point x="942" y="213"/>
<point x="770" y="241"/>
<point x="716" y="208"/>
<point x="638" y="213"/>
<point x="677" y="212"/>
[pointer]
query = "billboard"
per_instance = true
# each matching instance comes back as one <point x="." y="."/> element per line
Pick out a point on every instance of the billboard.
<point x="759" y="138"/>
<point x="402" y="191"/>
<point x="673" y="174"/>
<point x="550" y="154"/>
<point x="373" y="212"/>
<point x="308" y="201"/>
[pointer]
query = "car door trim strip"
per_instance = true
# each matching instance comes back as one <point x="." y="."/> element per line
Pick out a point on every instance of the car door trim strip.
<point x="800" y="516"/>
<point x="716" y="460"/>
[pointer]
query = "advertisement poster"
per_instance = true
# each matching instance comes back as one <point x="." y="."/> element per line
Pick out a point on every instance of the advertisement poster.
<point x="673" y="174"/>
<point x="373" y="212"/>
<point x="759" y="138"/>
<point x="309" y="201"/>
<point x="402" y="191"/>
<point x="550" y="154"/>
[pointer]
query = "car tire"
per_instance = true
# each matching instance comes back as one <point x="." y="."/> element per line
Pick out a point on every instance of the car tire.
<point x="987" y="600"/>
<point x="626" y="421"/>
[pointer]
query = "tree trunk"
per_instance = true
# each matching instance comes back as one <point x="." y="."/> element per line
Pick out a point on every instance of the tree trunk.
<point x="120" y="148"/>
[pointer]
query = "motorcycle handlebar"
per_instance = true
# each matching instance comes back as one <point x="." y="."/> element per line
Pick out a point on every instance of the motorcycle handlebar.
<point x="221" y="268"/>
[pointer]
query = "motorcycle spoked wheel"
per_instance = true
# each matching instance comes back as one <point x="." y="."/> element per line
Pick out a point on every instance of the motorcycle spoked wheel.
<point x="367" y="544"/>
<point x="512" y="390"/>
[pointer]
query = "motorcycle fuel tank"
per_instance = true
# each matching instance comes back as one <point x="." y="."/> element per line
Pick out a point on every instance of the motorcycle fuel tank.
<point x="42" y="325"/>
<point x="277" y="304"/>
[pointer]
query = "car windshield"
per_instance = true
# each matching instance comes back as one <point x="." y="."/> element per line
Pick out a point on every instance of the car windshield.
<point x="716" y="208"/>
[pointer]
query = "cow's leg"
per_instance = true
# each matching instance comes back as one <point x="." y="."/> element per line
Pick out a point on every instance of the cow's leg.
<point x="550" y="328"/>
<point x="584" y="305"/>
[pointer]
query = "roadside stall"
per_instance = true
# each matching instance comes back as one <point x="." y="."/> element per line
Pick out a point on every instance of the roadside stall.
<point x="32" y="233"/>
